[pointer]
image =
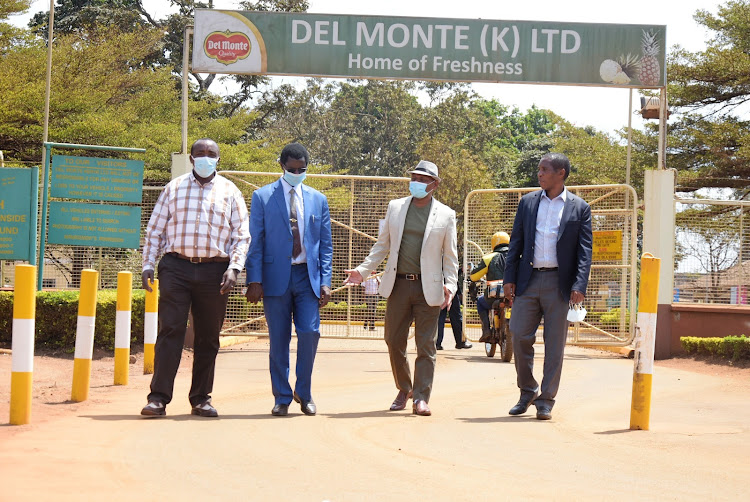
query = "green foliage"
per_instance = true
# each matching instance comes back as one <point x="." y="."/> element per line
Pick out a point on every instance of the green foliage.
<point x="57" y="318"/>
<point x="612" y="317"/>
<point x="9" y="7"/>
<point x="9" y="34"/>
<point x="104" y="94"/>
<point x="735" y="348"/>
<point x="596" y="157"/>
<point x="709" y="144"/>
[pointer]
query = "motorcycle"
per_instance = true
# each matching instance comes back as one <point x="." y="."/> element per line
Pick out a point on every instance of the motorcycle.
<point x="499" y="315"/>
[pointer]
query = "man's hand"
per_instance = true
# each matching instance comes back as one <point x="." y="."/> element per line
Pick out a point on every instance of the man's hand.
<point x="254" y="292"/>
<point x="353" y="277"/>
<point x="147" y="277"/>
<point x="576" y="297"/>
<point x="228" y="280"/>
<point x="509" y="291"/>
<point x="325" y="296"/>
<point x="448" y="297"/>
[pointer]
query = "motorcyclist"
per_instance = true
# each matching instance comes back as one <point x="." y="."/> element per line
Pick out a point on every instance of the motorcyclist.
<point x="492" y="265"/>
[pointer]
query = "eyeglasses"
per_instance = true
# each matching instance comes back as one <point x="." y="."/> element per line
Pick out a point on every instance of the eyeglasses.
<point x="294" y="170"/>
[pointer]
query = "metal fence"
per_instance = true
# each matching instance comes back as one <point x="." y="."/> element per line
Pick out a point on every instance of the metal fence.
<point x="357" y="204"/>
<point x="611" y="289"/>
<point x="712" y="251"/>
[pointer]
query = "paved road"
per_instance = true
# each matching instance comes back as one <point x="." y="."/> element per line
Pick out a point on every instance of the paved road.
<point x="470" y="449"/>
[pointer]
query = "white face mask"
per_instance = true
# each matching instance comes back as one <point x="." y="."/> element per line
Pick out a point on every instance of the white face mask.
<point x="576" y="312"/>
<point x="205" y="166"/>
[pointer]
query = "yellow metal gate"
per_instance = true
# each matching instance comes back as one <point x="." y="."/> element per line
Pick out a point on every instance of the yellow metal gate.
<point x="610" y="299"/>
<point x="357" y="204"/>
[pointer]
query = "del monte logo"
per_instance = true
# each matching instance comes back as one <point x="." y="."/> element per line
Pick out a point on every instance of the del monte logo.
<point x="227" y="47"/>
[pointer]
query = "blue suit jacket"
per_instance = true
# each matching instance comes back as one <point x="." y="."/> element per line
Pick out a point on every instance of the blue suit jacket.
<point x="573" y="245"/>
<point x="269" y="260"/>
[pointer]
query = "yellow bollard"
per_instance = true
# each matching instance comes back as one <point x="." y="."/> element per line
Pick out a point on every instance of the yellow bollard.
<point x="85" y="335"/>
<point x="22" y="344"/>
<point x="122" y="327"/>
<point x="645" y="341"/>
<point x="150" y="327"/>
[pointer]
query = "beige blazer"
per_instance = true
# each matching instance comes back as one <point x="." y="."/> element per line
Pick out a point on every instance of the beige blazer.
<point x="439" y="257"/>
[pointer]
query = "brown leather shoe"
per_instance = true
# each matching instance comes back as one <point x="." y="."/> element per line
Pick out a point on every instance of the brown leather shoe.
<point x="420" y="408"/>
<point x="400" y="402"/>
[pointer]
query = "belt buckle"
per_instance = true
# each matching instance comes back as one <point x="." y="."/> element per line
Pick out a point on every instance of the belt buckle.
<point x="195" y="259"/>
<point x="411" y="277"/>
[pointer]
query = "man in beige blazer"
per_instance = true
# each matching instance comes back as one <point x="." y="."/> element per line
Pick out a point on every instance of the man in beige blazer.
<point x="419" y="280"/>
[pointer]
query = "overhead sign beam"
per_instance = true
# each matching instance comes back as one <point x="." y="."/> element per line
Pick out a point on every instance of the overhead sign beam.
<point x="477" y="50"/>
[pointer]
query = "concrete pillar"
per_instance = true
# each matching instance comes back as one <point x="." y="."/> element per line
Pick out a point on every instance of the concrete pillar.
<point x="658" y="239"/>
<point x="180" y="164"/>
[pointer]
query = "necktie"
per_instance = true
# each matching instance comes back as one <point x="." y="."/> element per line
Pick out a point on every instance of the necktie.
<point x="297" y="246"/>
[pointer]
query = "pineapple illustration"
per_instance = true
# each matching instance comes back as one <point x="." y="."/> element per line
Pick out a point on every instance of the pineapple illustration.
<point x="620" y="71"/>
<point x="650" y="72"/>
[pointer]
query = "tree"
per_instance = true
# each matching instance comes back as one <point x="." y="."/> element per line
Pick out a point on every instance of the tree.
<point x="709" y="235"/>
<point x="461" y="171"/>
<point x="598" y="158"/>
<point x="85" y="16"/>
<point x="103" y="94"/>
<point x="8" y="32"/>
<point x="710" y="142"/>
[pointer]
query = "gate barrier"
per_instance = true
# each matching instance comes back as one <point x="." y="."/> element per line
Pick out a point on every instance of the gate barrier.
<point x="610" y="297"/>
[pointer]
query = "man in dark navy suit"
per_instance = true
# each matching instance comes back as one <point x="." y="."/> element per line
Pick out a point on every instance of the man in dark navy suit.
<point x="547" y="269"/>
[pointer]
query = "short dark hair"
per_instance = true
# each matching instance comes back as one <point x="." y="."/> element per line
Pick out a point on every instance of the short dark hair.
<point x="192" y="147"/>
<point x="558" y="161"/>
<point x="295" y="151"/>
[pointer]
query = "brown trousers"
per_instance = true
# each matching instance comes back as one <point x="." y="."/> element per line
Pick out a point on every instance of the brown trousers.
<point x="406" y="304"/>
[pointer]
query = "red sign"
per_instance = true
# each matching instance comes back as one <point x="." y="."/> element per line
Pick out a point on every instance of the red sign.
<point x="227" y="47"/>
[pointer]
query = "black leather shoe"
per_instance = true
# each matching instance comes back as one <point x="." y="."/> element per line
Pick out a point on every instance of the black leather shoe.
<point x="439" y="347"/>
<point x="205" y="410"/>
<point x="280" y="410"/>
<point x="308" y="407"/>
<point x="154" y="409"/>
<point x="522" y="405"/>
<point x="543" y="412"/>
<point x="463" y="345"/>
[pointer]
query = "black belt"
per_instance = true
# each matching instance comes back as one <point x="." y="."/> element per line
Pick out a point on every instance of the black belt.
<point x="213" y="259"/>
<point x="546" y="269"/>
<point x="409" y="277"/>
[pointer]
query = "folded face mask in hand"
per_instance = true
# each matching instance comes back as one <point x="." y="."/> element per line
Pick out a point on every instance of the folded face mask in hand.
<point x="576" y="312"/>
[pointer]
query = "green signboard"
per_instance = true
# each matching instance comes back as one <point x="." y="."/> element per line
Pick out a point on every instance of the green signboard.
<point x="480" y="50"/>
<point x="18" y="200"/>
<point x="94" y="178"/>
<point x="98" y="225"/>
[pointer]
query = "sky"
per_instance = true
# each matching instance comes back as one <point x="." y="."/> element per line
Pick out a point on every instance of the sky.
<point x="606" y="109"/>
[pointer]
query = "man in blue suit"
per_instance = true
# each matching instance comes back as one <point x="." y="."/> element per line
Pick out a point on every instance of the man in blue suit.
<point x="289" y="267"/>
<point x="547" y="269"/>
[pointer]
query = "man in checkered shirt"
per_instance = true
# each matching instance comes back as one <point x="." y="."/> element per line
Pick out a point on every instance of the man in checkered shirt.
<point x="200" y="223"/>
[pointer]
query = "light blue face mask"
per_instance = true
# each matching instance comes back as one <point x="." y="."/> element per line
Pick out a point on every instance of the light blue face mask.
<point x="419" y="189"/>
<point x="204" y="166"/>
<point x="294" y="179"/>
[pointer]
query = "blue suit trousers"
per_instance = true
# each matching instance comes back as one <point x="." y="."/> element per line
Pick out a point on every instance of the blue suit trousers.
<point x="299" y="303"/>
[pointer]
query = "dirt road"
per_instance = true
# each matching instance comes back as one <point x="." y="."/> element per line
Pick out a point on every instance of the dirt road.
<point x="470" y="449"/>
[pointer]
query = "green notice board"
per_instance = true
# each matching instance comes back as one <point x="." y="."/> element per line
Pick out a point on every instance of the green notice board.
<point x="18" y="189"/>
<point x="99" y="225"/>
<point x="94" y="178"/>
